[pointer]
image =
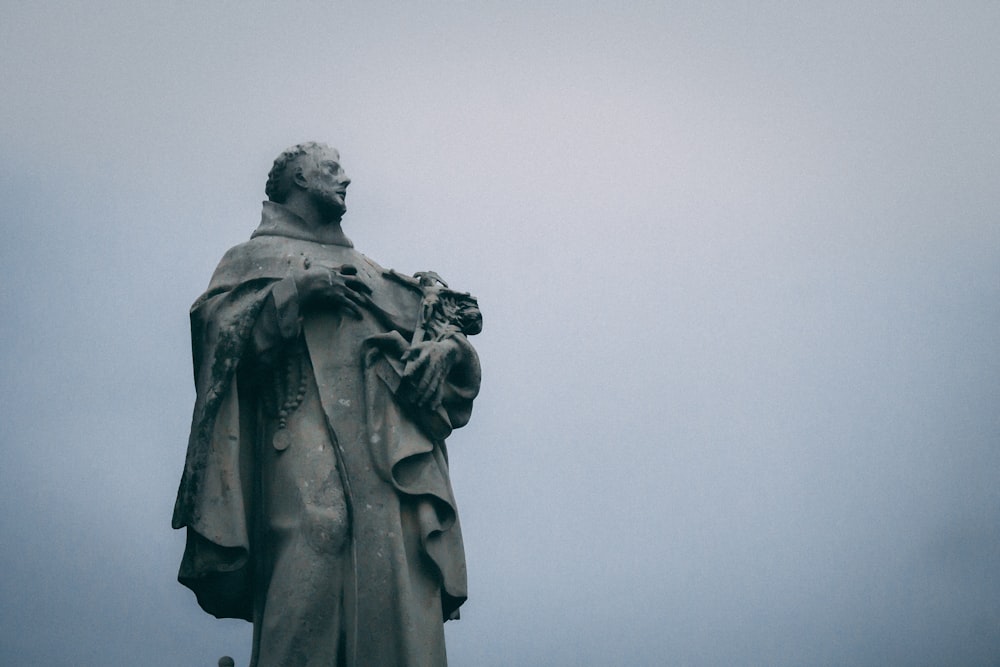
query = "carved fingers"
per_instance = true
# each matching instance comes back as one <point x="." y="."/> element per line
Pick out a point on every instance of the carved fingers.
<point x="427" y="366"/>
<point x="332" y="288"/>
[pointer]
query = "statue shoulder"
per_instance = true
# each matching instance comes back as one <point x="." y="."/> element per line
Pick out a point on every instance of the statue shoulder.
<point x="260" y="257"/>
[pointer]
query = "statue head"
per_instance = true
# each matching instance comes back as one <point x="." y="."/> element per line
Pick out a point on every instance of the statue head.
<point x="312" y="169"/>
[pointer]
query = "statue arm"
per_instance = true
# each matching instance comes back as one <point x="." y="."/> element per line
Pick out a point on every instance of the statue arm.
<point x="442" y="368"/>
<point x="443" y="373"/>
<point x="279" y="320"/>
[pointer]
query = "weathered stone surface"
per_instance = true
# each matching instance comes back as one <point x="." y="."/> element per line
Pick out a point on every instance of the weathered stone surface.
<point x="316" y="492"/>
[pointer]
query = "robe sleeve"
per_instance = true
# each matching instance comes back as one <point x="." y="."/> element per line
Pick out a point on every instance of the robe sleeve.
<point x="228" y="323"/>
<point x="278" y="322"/>
<point x="462" y="385"/>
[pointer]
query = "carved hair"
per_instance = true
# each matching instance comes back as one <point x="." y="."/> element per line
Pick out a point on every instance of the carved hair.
<point x="277" y="183"/>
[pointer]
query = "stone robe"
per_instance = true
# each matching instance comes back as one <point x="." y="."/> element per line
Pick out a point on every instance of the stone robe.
<point x="317" y="501"/>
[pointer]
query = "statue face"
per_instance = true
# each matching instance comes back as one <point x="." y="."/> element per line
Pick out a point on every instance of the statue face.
<point x="325" y="180"/>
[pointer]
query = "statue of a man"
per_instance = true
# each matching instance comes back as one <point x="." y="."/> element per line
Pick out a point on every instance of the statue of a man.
<point x="316" y="493"/>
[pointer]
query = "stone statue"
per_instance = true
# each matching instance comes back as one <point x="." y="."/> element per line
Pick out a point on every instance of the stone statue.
<point x="316" y="492"/>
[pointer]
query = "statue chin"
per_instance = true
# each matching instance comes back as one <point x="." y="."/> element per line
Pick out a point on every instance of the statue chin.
<point x="330" y="202"/>
<point x="335" y="212"/>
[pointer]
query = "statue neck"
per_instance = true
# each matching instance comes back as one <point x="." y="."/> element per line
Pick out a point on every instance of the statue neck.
<point x="283" y="220"/>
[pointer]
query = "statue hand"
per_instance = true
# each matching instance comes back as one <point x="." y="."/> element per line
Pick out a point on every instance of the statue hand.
<point x="327" y="287"/>
<point x="427" y="365"/>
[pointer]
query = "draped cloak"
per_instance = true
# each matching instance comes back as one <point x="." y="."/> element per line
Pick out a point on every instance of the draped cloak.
<point x="405" y="563"/>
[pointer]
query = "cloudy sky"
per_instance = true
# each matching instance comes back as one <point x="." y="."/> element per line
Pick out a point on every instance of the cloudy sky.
<point x="739" y="265"/>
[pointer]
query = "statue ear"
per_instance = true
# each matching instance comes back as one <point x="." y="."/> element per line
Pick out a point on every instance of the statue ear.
<point x="298" y="178"/>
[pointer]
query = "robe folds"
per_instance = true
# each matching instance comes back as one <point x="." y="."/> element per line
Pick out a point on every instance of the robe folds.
<point x="316" y="499"/>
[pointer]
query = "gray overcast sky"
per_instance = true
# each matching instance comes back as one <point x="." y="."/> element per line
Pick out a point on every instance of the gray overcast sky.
<point x="739" y="265"/>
